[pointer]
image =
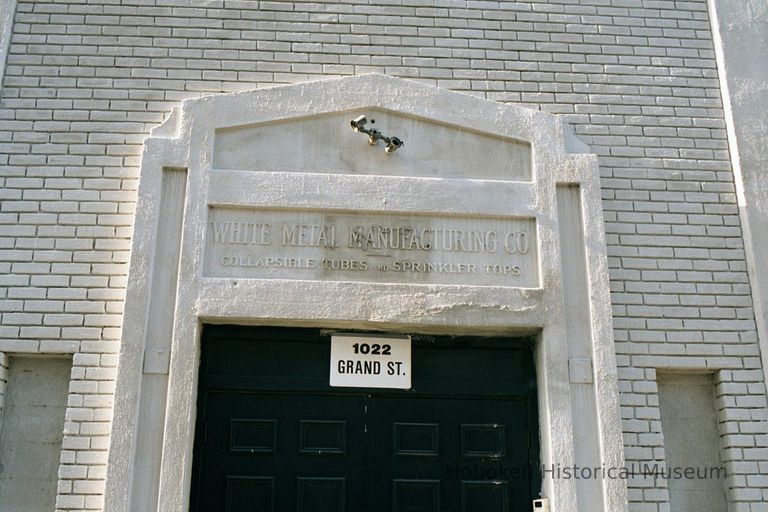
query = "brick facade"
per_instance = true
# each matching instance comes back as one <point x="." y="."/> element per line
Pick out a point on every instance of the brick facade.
<point x="87" y="79"/>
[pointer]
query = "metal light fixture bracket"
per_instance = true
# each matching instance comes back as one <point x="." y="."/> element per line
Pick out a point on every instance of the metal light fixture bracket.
<point x="374" y="135"/>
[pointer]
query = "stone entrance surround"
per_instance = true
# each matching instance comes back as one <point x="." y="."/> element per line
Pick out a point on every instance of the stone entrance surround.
<point x="240" y="192"/>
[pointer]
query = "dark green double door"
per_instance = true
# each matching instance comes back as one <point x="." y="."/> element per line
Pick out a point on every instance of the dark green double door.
<point x="273" y="436"/>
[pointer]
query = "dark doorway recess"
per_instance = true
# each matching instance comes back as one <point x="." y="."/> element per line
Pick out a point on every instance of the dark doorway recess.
<point x="272" y="435"/>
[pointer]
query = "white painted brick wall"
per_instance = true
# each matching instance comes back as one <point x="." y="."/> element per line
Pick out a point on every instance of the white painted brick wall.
<point x="86" y="80"/>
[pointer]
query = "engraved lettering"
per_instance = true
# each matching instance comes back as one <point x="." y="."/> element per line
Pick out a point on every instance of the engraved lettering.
<point x="220" y="230"/>
<point x="289" y="234"/>
<point x="309" y="235"/>
<point x="387" y="238"/>
<point x="233" y="232"/>
<point x="516" y="243"/>
<point x="383" y="247"/>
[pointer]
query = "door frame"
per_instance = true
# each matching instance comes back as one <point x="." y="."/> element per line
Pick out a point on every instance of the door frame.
<point x="169" y="296"/>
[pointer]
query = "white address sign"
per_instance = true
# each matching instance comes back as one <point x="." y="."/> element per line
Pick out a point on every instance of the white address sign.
<point x="371" y="361"/>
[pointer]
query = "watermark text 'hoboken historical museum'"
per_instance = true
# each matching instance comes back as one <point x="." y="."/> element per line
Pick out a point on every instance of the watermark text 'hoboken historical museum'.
<point x="577" y="472"/>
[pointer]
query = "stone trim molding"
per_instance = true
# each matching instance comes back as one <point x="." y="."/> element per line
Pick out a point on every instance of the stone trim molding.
<point x="7" y="13"/>
<point x="157" y="383"/>
<point x="740" y="30"/>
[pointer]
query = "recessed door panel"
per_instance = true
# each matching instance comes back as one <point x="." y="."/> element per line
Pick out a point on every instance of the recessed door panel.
<point x="307" y="446"/>
<point x="482" y="443"/>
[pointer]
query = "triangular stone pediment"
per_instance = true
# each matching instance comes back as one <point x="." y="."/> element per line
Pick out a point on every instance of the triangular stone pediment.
<point x="326" y="143"/>
<point x="306" y="128"/>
